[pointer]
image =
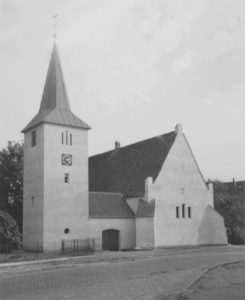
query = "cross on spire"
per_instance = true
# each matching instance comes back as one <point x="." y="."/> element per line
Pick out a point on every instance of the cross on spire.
<point x="54" y="26"/>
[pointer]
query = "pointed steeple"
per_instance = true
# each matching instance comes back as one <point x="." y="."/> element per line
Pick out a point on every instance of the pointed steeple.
<point x="54" y="94"/>
<point x="55" y="106"/>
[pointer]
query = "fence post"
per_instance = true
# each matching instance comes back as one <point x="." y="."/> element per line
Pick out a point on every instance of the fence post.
<point x="36" y="254"/>
<point x="62" y="246"/>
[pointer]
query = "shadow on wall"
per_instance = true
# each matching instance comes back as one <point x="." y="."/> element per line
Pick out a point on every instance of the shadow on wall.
<point x="212" y="230"/>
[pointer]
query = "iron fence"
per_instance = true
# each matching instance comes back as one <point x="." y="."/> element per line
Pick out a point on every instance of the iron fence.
<point x="79" y="246"/>
<point x="34" y="251"/>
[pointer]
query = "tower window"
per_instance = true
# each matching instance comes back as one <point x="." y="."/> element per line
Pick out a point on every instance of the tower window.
<point x="33" y="138"/>
<point x="62" y="138"/>
<point x="66" y="137"/>
<point x="66" y="178"/>
<point x="183" y="210"/>
<point x="32" y="201"/>
<point x="177" y="211"/>
<point x="70" y="139"/>
<point x="189" y="212"/>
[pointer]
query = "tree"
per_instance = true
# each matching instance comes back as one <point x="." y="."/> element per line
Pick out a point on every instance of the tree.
<point x="11" y="181"/>
<point x="10" y="236"/>
<point x="230" y="204"/>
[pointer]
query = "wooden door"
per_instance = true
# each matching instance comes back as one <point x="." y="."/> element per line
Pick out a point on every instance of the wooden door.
<point x="110" y="240"/>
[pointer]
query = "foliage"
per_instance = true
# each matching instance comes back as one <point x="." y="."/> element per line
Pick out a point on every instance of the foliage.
<point x="11" y="180"/>
<point x="10" y="236"/>
<point x="231" y="205"/>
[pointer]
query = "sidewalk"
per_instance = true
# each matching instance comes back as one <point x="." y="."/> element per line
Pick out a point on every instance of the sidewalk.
<point x="48" y="261"/>
<point x="222" y="282"/>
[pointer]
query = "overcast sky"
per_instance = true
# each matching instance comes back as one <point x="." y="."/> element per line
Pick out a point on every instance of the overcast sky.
<point x="133" y="70"/>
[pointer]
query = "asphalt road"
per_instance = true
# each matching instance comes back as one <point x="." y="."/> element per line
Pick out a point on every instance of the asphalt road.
<point x="147" y="278"/>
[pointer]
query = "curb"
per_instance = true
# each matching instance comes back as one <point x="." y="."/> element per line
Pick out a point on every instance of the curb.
<point x="42" y="261"/>
<point x="98" y="259"/>
<point x="178" y="296"/>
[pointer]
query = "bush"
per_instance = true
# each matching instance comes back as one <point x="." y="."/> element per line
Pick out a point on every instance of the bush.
<point x="10" y="237"/>
<point x="230" y="204"/>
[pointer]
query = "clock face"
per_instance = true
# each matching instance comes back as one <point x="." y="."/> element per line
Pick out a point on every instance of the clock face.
<point x="66" y="159"/>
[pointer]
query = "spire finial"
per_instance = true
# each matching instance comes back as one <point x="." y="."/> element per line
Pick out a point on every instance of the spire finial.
<point x="54" y="26"/>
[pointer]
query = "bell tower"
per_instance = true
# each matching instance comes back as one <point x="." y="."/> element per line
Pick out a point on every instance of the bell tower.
<point x="55" y="200"/>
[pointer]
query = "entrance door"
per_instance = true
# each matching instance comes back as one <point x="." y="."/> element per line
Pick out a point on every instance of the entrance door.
<point x="110" y="240"/>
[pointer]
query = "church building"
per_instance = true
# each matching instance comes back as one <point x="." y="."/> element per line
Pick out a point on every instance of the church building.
<point x="145" y="195"/>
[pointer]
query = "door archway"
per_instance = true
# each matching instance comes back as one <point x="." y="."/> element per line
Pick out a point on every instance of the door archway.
<point x="110" y="239"/>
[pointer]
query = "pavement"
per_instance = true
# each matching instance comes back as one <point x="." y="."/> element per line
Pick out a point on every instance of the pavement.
<point x="141" y="275"/>
<point x="49" y="261"/>
<point x="224" y="282"/>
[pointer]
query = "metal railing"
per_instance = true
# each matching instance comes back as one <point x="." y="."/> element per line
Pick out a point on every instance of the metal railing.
<point x="79" y="246"/>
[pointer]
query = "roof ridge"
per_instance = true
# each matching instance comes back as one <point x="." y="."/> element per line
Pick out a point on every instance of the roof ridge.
<point x="124" y="170"/>
<point x="129" y="145"/>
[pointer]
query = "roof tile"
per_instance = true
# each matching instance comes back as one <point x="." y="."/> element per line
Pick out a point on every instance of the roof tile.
<point x="145" y="209"/>
<point x="108" y="205"/>
<point x="124" y="170"/>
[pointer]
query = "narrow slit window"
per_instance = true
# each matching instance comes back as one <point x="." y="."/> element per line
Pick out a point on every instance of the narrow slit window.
<point x="62" y="138"/>
<point x="33" y="138"/>
<point x="70" y="139"/>
<point x="67" y="178"/>
<point x="177" y="211"/>
<point x="66" y="137"/>
<point x="183" y="210"/>
<point x="189" y="212"/>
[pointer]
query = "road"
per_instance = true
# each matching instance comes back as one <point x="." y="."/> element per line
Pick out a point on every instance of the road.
<point x="147" y="278"/>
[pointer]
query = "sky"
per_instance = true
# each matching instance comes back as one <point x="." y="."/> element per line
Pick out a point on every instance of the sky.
<point x="133" y="70"/>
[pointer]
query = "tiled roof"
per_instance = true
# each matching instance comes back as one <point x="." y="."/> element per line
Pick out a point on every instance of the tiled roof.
<point x="58" y="117"/>
<point x="124" y="170"/>
<point x="145" y="209"/>
<point x="55" y="106"/>
<point x="108" y="205"/>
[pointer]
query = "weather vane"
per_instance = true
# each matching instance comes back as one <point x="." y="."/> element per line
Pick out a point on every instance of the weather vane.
<point x="54" y="25"/>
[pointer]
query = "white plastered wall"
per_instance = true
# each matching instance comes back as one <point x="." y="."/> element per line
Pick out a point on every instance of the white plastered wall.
<point x="180" y="182"/>
<point x="65" y="204"/>
<point x="144" y="233"/>
<point x="133" y="203"/>
<point x="33" y="191"/>
<point x="126" y="226"/>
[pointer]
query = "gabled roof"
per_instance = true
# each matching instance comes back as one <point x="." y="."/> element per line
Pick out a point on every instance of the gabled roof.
<point x="108" y="205"/>
<point x="125" y="169"/>
<point x="145" y="209"/>
<point x="55" y="106"/>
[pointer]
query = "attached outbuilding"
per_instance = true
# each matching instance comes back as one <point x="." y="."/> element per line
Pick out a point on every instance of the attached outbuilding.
<point x="164" y="188"/>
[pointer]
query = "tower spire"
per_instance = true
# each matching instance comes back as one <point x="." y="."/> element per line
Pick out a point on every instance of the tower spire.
<point x="55" y="106"/>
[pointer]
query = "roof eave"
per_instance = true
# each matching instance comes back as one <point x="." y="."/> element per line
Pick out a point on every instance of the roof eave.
<point x="86" y="127"/>
<point x="112" y="217"/>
